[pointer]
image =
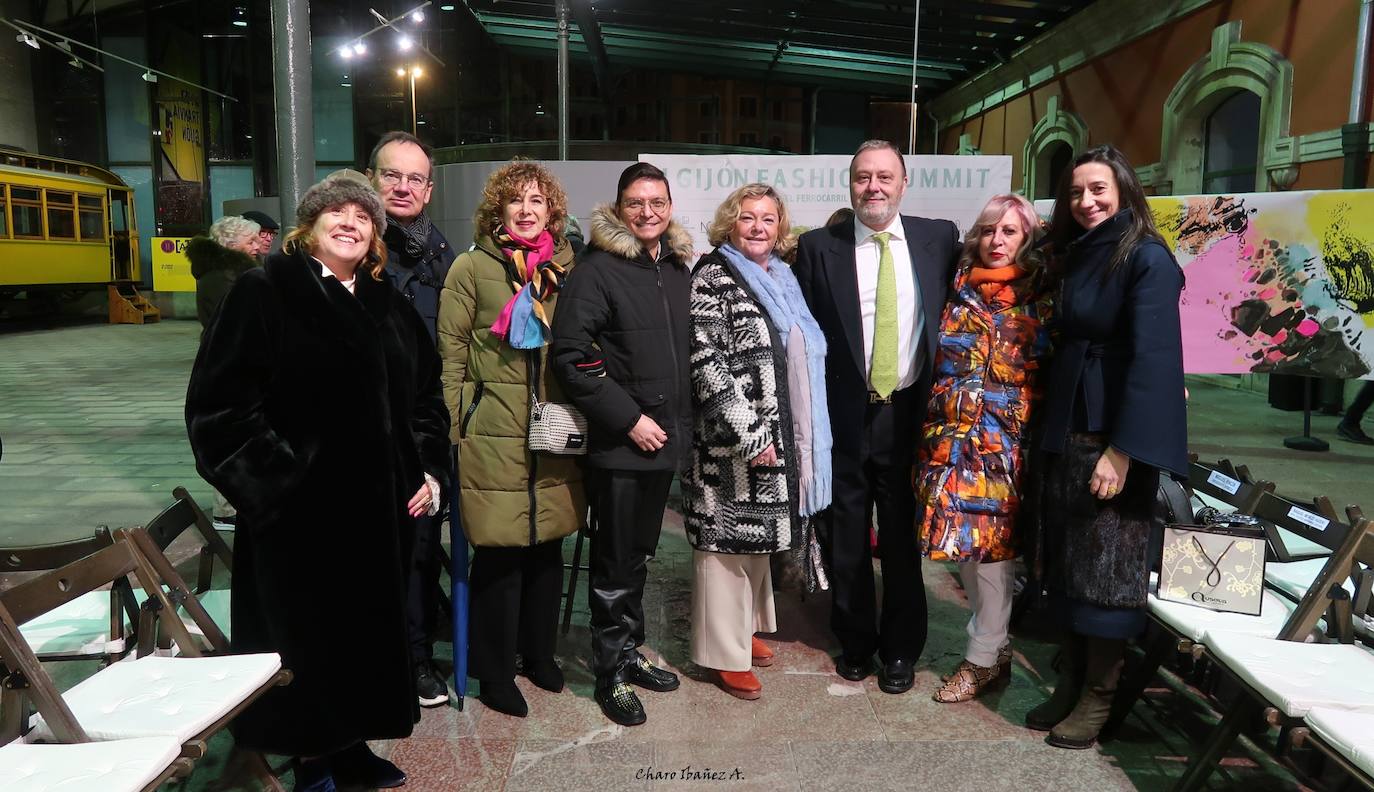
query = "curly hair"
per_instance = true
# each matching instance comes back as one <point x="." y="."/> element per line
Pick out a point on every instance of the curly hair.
<point x="508" y="183"/>
<point x="232" y="229"/>
<point x="1026" y="255"/>
<point x="728" y="213"/>
<point x="301" y="239"/>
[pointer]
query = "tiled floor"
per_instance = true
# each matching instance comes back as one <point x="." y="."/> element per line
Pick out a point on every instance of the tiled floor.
<point x="91" y="420"/>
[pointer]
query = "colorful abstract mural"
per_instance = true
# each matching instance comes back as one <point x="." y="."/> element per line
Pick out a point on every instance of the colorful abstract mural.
<point x="1276" y="282"/>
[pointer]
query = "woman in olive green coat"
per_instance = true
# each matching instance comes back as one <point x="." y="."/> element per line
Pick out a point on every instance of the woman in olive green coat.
<point x="515" y="505"/>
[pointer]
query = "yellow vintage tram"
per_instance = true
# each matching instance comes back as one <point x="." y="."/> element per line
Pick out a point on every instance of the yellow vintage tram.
<point x="68" y="226"/>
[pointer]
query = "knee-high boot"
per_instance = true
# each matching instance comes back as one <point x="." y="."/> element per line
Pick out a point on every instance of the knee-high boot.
<point x="1102" y="671"/>
<point x="1067" y="687"/>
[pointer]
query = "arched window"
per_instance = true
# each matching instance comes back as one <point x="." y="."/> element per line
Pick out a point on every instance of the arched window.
<point x="1056" y="157"/>
<point x="1231" y="155"/>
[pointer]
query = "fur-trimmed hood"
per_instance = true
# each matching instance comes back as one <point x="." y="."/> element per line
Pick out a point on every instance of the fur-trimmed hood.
<point x="207" y="256"/>
<point x="612" y="235"/>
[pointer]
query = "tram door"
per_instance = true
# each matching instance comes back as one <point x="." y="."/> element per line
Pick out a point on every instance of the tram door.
<point x="121" y="241"/>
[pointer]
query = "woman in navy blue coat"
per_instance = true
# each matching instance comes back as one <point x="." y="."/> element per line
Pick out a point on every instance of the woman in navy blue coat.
<point x="1113" y="420"/>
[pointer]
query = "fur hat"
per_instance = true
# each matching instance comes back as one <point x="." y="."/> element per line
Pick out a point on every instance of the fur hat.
<point x="336" y="189"/>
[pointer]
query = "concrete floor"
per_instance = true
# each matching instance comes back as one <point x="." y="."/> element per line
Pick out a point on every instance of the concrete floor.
<point x="91" y="421"/>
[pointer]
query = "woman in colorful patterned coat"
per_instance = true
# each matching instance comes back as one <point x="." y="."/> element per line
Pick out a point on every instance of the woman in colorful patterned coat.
<point x="992" y="341"/>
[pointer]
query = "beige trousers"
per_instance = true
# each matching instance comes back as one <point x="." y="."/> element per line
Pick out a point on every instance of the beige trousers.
<point x="989" y="586"/>
<point x="732" y="598"/>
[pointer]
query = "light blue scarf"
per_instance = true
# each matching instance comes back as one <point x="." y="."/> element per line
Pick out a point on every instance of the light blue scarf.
<point x="780" y="295"/>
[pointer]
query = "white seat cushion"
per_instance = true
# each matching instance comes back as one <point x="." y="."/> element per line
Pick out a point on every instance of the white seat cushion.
<point x="163" y="696"/>
<point x="1194" y="623"/>
<point x="1295" y="577"/>
<point x="1350" y="734"/>
<point x="1302" y="547"/>
<point x="1295" y="677"/>
<point x="81" y="627"/>
<point x="107" y="766"/>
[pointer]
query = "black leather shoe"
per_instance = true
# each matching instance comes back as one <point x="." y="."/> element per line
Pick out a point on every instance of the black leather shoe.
<point x="649" y="676"/>
<point x="896" y="676"/>
<point x="504" y="697"/>
<point x="313" y="776"/>
<point x="620" y="704"/>
<point x="546" y="675"/>
<point x="853" y="670"/>
<point x="357" y="765"/>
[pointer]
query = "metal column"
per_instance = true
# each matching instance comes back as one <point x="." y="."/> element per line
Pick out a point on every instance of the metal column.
<point x="562" y="79"/>
<point x="1355" y="133"/>
<point x="291" y="73"/>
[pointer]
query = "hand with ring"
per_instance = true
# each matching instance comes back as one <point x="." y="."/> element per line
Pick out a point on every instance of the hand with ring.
<point x="1109" y="475"/>
<point x="419" y="503"/>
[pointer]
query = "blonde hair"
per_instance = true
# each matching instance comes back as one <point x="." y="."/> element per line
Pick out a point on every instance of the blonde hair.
<point x="301" y="239"/>
<point x="1026" y="256"/>
<point x="508" y="183"/>
<point x="232" y="229"/>
<point x="727" y="214"/>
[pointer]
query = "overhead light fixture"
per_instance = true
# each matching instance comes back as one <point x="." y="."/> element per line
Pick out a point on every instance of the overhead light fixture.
<point x="346" y="53"/>
<point x="421" y="122"/>
<point x="415" y="70"/>
<point x="418" y="16"/>
<point x="359" y="48"/>
<point x="148" y="76"/>
<point x="240" y="23"/>
<point x="345" y="85"/>
<point x="25" y="38"/>
<point x="403" y="43"/>
<point x="400" y="72"/>
<point x="75" y="63"/>
<point x="447" y="7"/>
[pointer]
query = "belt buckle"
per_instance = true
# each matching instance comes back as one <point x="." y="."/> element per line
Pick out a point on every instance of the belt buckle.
<point x="874" y="398"/>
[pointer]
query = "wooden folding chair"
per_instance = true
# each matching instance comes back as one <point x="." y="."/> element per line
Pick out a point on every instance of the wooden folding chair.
<point x="88" y="627"/>
<point x="1345" y="738"/>
<point x="1286" y="678"/>
<point x="73" y="761"/>
<point x="1221" y="486"/>
<point x="188" y="698"/>
<point x="1292" y="614"/>
<point x="171" y="523"/>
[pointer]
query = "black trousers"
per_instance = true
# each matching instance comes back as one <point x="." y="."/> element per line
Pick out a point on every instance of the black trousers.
<point x="629" y="507"/>
<point x="422" y="589"/>
<point x="514" y="595"/>
<point x="879" y="475"/>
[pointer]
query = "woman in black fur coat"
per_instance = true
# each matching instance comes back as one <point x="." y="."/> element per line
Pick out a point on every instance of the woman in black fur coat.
<point x="1113" y="420"/>
<point x="315" y="406"/>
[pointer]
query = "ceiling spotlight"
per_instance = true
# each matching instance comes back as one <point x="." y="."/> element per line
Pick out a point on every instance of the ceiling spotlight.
<point x="25" y="38"/>
<point x="403" y="43"/>
<point x="76" y="64"/>
<point x="418" y="16"/>
<point x="346" y="53"/>
<point x="447" y="7"/>
<point x="415" y="70"/>
<point x="400" y="72"/>
<point x="359" y="48"/>
<point x="65" y="45"/>
<point x="345" y="85"/>
<point x="240" y="23"/>
<point x="148" y="76"/>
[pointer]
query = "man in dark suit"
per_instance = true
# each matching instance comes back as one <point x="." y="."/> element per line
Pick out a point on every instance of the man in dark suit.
<point x="877" y="286"/>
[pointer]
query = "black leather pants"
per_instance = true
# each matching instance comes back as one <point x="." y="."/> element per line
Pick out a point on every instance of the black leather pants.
<point x="629" y="507"/>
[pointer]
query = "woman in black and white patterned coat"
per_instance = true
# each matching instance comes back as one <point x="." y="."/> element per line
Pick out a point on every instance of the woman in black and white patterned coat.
<point x="760" y="460"/>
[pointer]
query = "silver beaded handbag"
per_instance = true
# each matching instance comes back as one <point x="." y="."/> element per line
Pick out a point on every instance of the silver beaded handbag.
<point x="556" y="428"/>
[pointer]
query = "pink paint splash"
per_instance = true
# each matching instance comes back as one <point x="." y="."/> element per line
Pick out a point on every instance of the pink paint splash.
<point x="1307" y="328"/>
<point x="1211" y="292"/>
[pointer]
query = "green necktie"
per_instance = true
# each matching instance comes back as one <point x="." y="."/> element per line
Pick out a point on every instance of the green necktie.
<point x="883" y="375"/>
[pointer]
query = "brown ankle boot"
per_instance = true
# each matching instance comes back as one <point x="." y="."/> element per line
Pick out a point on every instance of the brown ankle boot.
<point x="1069" y="664"/>
<point x="1101" y="674"/>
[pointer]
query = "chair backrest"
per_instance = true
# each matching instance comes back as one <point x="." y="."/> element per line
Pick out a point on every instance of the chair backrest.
<point x="1222" y="483"/>
<point x="1316" y="522"/>
<point x="1326" y="590"/>
<point x="177" y="593"/>
<point x="185" y="513"/>
<point x="43" y="558"/>
<point x="27" y="681"/>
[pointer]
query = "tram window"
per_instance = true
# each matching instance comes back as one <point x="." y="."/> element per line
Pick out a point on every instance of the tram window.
<point x="27" y="212"/>
<point x="91" y="216"/>
<point x="61" y="216"/>
<point x="4" y="224"/>
<point x="118" y="208"/>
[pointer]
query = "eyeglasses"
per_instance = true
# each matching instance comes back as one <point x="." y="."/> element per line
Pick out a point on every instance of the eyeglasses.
<point x="391" y="178"/>
<point x="635" y="204"/>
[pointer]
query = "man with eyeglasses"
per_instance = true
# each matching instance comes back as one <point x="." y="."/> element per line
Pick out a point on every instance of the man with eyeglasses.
<point x="418" y="258"/>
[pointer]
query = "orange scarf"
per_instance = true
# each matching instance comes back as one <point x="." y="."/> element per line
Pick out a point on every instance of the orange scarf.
<point x="995" y="284"/>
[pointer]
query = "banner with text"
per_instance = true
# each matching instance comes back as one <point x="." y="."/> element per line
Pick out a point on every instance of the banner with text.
<point x="814" y="186"/>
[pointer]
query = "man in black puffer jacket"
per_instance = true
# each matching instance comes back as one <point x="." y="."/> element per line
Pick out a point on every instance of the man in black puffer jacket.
<point x="620" y="349"/>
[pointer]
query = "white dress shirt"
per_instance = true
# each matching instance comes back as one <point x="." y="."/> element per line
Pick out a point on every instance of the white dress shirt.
<point x="910" y="319"/>
<point x="324" y="271"/>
